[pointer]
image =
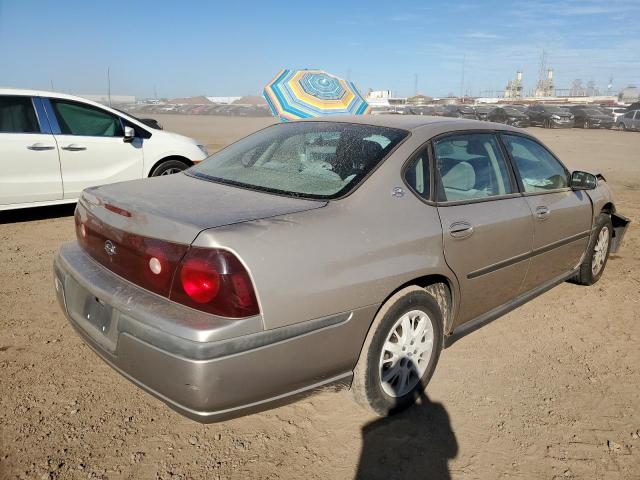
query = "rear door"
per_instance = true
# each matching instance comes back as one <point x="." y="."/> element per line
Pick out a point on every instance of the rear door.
<point x="92" y="148"/>
<point x="562" y="217"/>
<point x="487" y="224"/>
<point x="29" y="165"/>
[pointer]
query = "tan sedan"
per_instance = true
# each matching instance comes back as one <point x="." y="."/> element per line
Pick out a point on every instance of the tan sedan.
<point x="344" y="251"/>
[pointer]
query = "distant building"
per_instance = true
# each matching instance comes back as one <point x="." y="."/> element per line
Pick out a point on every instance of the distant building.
<point x="115" y="99"/>
<point x="419" y="100"/>
<point x="629" y="95"/>
<point x="223" y="100"/>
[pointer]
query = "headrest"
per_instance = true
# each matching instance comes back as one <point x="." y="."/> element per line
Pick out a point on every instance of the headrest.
<point x="460" y="177"/>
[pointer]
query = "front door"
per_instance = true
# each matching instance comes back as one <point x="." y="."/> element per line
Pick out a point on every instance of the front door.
<point x="562" y="217"/>
<point x="487" y="225"/>
<point x="29" y="165"/>
<point x="92" y="149"/>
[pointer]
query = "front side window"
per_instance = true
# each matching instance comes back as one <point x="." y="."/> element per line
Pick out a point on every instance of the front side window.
<point x="538" y="169"/>
<point x="417" y="175"/>
<point x="85" y="120"/>
<point x="471" y="167"/>
<point x="306" y="159"/>
<point x="17" y="115"/>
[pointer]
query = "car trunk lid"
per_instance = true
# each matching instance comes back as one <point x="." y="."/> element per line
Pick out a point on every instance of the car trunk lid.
<point x="177" y="207"/>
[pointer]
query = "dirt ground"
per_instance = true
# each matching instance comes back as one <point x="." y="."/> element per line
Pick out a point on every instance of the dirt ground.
<point x="550" y="391"/>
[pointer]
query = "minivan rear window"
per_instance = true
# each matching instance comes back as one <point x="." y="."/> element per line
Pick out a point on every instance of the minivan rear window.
<point x="302" y="159"/>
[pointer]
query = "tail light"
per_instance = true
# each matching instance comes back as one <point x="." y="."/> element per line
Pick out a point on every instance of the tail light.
<point x="214" y="281"/>
<point x="210" y="280"/>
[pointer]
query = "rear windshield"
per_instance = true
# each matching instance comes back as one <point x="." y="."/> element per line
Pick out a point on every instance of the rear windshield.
<point x="302" y="159"/>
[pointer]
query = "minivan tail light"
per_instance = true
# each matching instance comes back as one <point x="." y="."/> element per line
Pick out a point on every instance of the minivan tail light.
<point x="214" y="281"/>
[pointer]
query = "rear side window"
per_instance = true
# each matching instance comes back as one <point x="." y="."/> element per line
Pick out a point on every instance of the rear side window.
<point x="85" y="120"/>
<point x="471" y="167"/>
<point x="538" y="169"/>
<point x="17" y="115"/>
<point x="417" y="175"/>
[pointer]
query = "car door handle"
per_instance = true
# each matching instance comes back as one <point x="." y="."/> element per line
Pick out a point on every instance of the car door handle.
<point x="542" y="212"/>
<point x="74" y="147"/>
<point x="40" y="146"/>
<point x="460" y="229"/>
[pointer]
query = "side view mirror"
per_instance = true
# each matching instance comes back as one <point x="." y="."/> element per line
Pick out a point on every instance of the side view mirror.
<point x="129" y="134"/>
<point x="583" y="180"/>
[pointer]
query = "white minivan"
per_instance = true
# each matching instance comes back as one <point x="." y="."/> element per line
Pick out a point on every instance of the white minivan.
<point x="53" y="146"/>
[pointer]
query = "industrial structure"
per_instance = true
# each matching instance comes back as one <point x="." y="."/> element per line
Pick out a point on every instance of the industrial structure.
<point x="514" y="87"/>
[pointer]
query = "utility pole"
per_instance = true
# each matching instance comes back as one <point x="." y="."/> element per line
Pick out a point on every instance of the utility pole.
<point x="109" y="85"/>
<point x="464" y="59"/>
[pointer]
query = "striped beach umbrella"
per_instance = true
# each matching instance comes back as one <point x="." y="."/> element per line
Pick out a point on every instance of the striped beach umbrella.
<point x="295" y="94"/>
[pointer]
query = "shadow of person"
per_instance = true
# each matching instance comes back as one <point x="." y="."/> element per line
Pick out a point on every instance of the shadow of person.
<point x="416" y="443"/>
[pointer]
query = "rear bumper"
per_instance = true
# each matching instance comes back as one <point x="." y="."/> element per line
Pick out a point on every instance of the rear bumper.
<point x="206" y="368"/>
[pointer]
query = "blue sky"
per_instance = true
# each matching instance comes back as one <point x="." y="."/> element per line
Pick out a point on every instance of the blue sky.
<point x="235" y="47"/>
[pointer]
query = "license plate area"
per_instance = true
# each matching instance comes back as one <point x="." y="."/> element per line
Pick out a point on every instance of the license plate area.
<point x="97" y="313"/>
<point x="91" y="314"/>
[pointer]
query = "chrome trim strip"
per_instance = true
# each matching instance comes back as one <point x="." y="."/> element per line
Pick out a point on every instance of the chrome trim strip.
<point x="528" y="255"/>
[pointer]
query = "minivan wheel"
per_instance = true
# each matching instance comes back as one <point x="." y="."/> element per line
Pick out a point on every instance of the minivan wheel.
<point x="400" y="352"/>
<point x="598" y="252"/>
<point x="169" y="167"/>
<point x="622" y="127"/>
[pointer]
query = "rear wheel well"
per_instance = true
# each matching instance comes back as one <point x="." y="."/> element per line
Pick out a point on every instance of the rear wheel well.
<point x="440" y="288"/>
<point x="184" y="160"/>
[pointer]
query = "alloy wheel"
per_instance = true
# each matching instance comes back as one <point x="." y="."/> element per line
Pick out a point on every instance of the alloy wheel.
<point x="171" y="171"/>
<point x="600" y="251"/>
<point x="406" y="353"/>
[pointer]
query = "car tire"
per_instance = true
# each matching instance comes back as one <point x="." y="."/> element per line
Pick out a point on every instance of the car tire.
<point x="597" y="254"/>
<point x="585" y="125"/>
<point x="407" y="308"/>
<point x="546" y="123"/>
<point x="622" y="126"/>
<point x="169" y="167"/>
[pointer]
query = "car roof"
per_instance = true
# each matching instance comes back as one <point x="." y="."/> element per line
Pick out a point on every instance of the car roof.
<point x="411" y="122"/>
<point x="45" y="93"/>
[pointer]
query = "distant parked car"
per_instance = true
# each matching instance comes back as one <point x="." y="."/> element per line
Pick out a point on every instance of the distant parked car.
<point x="591" y="117"/>
<point x="550" y="116"/>
<point x="482" y="111"/>
<point x="629" y="121"/>
<point x="433" y="110"/>
<point x="53" y="146"/>
<point x="615" y="112"/>
<point x="509" y="116"/>
<point x="634" y="106"/>
<point x="459" y="111"/>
